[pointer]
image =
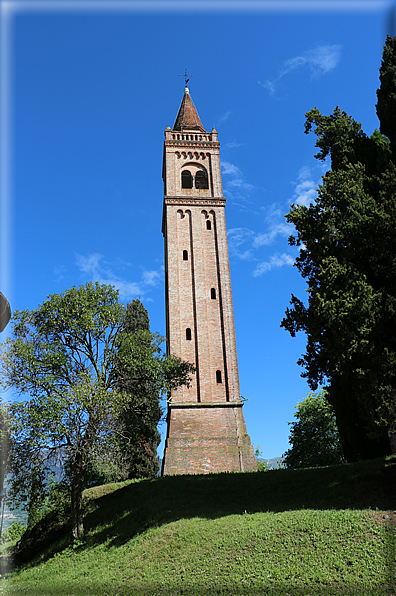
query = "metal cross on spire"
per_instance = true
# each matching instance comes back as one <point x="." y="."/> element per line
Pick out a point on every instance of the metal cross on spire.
<point x="185" y="76"/>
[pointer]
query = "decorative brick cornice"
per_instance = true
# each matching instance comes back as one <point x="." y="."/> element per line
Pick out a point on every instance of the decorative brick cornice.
<point x="209" y="404"/>
<point x="182" y="143"/>
<point x="208" y="202"/>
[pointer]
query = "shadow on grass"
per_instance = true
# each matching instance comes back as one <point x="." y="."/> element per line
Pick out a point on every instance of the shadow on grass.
<point x="122" y="514"/>
<point x="131" y="510"/>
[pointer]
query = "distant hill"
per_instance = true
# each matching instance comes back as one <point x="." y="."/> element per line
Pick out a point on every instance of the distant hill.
<point x="273" y="464"/>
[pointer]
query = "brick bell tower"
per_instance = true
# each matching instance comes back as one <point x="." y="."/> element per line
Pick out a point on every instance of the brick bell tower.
<point x="206" y="426"/>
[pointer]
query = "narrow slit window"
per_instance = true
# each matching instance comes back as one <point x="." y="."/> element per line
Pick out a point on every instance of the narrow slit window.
<point x="208" y="224"/>
<point x="185" y="255"/>
<point x="188" y="334"/>
<point x="201" y="179"/>
<point x="218" y="376"/>
<point x="213" y="293"/>
<point x="186" y="179"/>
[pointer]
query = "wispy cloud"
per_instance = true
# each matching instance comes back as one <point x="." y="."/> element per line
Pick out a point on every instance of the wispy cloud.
<point x="237" y="178"/>
<point x="319" y="61"/>
<point x="276" y="261"/>
<point x="95" y="268"/>
<point x="306" y="188"/>
<point x="232" y="145"/>
<point x="276" y="226"/>
<point x="221" y="119"/>
<point x="238" y="238"/>
<point x="244" y="243"/>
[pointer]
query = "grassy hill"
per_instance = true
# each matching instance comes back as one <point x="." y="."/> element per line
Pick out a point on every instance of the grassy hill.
<point x="308" y="532"/>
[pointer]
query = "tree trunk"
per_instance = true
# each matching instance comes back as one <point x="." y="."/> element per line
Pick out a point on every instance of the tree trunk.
<point x="76" y="500"/>
<point x="356" y="443"/>
<point x="34" y="501"/>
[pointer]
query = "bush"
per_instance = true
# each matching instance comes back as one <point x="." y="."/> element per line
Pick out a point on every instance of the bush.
<point x="13" y="533"/>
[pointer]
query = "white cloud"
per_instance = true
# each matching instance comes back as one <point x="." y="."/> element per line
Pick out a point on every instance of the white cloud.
<point x="230" y="169"/>
<point x="93" y="266"/>
<point x="276" y="226"/>
<point x="237" y="180"/>
<point x="232" y="145"/>
<point x="223" y="118"/>
<point x="269" y="85"/>
<point x="237" y="237"/>
<point x="152" y="278"/>
<point x="306" y="189"/>
<point x="319" y="61"/>
<point x="266" y="238"/>
<point x="275" y="261"/>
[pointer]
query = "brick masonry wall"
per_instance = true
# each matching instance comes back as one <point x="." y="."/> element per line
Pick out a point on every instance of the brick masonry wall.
<point x="201" y="437"/>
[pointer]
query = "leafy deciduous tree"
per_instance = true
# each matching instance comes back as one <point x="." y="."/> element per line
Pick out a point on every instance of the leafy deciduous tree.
<point x="64" y="356"/>
<point x="314" y="438"/>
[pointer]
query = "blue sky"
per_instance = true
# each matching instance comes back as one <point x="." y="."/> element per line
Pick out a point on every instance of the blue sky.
<point x="88" y="89"/>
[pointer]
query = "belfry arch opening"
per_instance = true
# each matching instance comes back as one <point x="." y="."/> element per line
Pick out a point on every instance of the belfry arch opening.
<point x="201" y="179"/>
<point x="186" y="179"/>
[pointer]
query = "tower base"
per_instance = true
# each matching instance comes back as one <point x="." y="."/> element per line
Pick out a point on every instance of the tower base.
<point x="205" y="438"/>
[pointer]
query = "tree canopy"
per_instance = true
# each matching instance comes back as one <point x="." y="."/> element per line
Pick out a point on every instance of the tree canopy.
<point x="133" y="449"/>
<point x="65" y="356"/>
<point x="347" y="240"/>
<point x="314" y="438"/>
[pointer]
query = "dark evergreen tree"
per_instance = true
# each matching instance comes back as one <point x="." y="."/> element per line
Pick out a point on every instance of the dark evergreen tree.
<point x="386" y="94"/>
<point x="139" y="424"/>
<point x="347" y="239"/>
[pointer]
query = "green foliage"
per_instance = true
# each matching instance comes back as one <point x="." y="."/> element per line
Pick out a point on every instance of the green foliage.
<point x="294" y="532"/>
<point x="64" y="356"/>
<point x="347" y="239"/>
<point x="4" y="446"/>
<point x="139" y="423"/>
<point x="386" y="94"/>
<point x="314" y="438"/>
<point x="13" y="533"/>
<point x="262" y="465"/>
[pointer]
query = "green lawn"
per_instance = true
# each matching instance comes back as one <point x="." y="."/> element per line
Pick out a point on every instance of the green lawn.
<point x="284" y="532"/>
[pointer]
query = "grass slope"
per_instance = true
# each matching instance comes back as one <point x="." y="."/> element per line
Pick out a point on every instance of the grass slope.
<point x="305" y="532"/>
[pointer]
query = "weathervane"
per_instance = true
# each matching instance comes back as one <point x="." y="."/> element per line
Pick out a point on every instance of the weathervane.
<point x="185" y="76"/>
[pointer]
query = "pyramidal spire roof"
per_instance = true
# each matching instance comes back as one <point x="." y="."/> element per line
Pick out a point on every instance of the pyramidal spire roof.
<point x="187" y="117"/>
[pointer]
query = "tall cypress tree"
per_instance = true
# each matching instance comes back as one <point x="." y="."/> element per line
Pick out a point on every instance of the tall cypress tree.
<point x="347" y="238"/>
<point x="386" y="94"/>
<point x="139" y="424"/>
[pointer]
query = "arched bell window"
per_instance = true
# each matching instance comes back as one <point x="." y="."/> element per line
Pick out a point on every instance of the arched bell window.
<point x="186" y="179"/>
<point x="201" y="179"/>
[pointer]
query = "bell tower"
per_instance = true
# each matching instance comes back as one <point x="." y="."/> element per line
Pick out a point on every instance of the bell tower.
<point x="206" y="426"/>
